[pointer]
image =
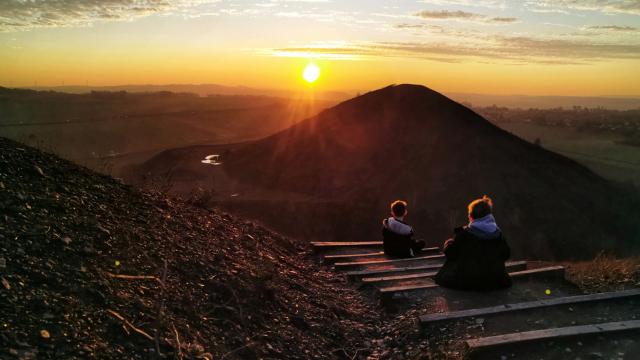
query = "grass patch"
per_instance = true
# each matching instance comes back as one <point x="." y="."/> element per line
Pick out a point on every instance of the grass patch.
<point x="605" y="273"/>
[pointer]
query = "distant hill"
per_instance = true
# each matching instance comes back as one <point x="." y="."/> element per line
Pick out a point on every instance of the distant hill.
<point x="511" y="101"/>
<point x="547" y="102"/>
<point x="412" y="143"/>
<point x="91" y="268"/>
<point x="109" y="130"/>
<point x="199" y="89"/>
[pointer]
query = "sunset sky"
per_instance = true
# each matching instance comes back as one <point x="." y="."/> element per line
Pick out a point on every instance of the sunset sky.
<point x="548" y="47"/>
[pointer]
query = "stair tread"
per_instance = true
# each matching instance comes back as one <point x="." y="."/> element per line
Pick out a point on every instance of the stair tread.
<point x="510" y="265"/>
<point x="505" y="308"/>
<point x="391" y="261"/>
<point x="524" y="273"/>
<point x="534" y="335"/>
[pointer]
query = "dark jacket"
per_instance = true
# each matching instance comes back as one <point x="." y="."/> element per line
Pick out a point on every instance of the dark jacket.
<point x="475" y="262"/>
<point x="395" y="244"/>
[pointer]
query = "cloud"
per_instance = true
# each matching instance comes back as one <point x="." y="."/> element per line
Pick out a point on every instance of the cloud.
<point x="504" y="19"/>
<point x="604" y="6"/>
<point x="515" y="49"/>
<point x="612" y="28"/>
<point x="476" y="3"/>
<point x="16" y="15"/>
<point x="463" y="16"/>
<point x="436" y="28"/>
<point x="568" y="49"/>
<point x="446" y="14"/>
<point x="301" y="1"/>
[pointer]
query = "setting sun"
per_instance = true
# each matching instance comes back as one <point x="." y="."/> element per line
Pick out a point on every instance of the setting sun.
<point x="311" y="73"/>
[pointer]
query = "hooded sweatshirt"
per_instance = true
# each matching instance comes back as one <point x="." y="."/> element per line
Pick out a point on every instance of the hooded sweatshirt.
<point x="398" y="227"/>
<point x="484" y="227"/>
<point x="475" y="257"/>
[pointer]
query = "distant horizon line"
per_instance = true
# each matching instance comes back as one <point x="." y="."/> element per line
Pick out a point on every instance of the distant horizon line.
<point x="347" y="93"/>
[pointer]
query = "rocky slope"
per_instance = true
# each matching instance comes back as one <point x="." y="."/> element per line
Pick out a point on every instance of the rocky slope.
<point x="91" y="268"/>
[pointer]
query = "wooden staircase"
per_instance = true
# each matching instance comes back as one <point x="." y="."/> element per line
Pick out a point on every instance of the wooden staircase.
<point x="396" y="281"/>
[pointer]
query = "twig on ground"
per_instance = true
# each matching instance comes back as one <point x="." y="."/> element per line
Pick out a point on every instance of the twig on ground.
<point x="239" y="306"/>
<point x="163" y="283"/>
<point x="164" y="276"/>
<point x="132" y="277"/>
<point x="129" y="324"/>
<point x="156" y="340"/>
<point x="175" y="331"/>
<point x="356" y="354"/>
<point x="237" y="349"/>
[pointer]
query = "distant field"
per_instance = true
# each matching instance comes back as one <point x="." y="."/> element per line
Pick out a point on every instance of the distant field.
<point x="109" y="131"/>
<point x="604" y="154"/>
<point x="605" y="140"/>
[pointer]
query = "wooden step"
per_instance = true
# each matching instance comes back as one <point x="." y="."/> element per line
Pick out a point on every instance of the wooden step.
<point x="481" y="344"/>
<point x="325" y="245"/>
<point x="330" y="259"/>
<point x="387" y="293"/>
<point x="358" y="274"/>
<point x="434" y="249"/>
<point x="549" y="272"/>
<point x="508" y="308"/>
<point x="378" y="281"/>
<point x="348" y="265"/>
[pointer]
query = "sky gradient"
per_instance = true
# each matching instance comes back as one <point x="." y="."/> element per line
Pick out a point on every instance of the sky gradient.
<point x="560" y="47"/>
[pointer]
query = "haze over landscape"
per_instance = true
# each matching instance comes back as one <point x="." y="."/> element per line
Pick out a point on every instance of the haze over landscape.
<point x="206" y="179"/>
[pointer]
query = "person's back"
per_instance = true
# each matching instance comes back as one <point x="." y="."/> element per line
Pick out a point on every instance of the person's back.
<point x="397" y="235"/>
<point x="475" y="256"/>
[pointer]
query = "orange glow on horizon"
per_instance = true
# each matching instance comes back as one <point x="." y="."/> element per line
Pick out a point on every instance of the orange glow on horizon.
<point x="362" y="45"/>
<point x="25" y="70"/>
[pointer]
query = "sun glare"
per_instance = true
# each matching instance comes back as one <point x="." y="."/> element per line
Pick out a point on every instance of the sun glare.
<point x="311" y="73"/>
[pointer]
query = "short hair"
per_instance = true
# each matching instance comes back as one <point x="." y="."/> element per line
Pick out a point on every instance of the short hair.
<point x="398" y="208"/>
<point x="480" y="207"/>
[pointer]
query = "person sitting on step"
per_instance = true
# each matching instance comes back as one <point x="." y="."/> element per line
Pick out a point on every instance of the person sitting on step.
<point x="397" y="235"/>
<point x="475" y="256"/>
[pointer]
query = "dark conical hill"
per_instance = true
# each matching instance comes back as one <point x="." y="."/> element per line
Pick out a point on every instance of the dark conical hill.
<point x="410" y="142"/>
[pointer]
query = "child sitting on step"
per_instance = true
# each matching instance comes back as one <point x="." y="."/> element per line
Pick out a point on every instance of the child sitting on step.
<point x="397" y="235"/>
